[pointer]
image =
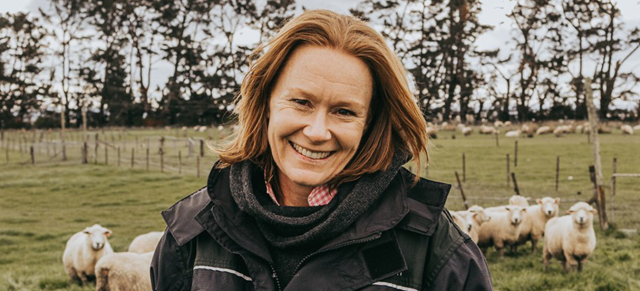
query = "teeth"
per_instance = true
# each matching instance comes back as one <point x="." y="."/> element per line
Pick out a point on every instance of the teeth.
<point x="310" y="154"/>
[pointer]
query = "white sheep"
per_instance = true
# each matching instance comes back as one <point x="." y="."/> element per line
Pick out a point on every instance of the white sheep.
<point x="498" y="123"/>
<point x="513" y="133"/>
<point x="476" y="216"/>
<point x="502" y="229"/>
<point x="543" y="130"/>
<point x="124" y="272"/>
<point x="466" y="131"/>
<point x="518" y="200"/>
<point x="145" y="242"/>
<point x="627" y="129"/>
<point x="462" y="220"/>
<point x="570" y="238"/>
<point x="535" y="220"/>
<point x="83" y="250"/>
<point x="487" y="130"/>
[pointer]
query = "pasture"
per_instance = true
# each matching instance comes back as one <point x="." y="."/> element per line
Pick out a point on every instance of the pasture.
<point x="42" y="205"/>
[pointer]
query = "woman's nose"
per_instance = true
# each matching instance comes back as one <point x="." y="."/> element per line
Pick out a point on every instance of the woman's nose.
<point x="317" y="129"/>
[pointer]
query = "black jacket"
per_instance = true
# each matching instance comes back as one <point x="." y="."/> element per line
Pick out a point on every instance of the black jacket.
<point x="405" y="241"/>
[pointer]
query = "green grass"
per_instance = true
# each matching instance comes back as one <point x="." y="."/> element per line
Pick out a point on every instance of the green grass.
<point x="42" y="205"/>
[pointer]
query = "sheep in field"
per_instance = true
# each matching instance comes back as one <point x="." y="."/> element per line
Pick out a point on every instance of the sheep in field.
<point x="570" y="238"/>
<point x="82" y="252"/>
<point x="518" y="200"/>
<point x="535" y="220"/>
<point x="502" y="229"/>
<point x="145" y="242"/>
<point x="124" y="272"/>
<point x="627" y="129"/>
<point x="543" y="130"/>
<point x="461" y="220"/>
<point x="487" y="130"/>
<point x="513" y="133"/>
<point x="466" y="131"/>
<point x="475" y="216"/>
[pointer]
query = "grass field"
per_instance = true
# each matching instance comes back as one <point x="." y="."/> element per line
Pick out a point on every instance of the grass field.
<point x="42" y="205"/>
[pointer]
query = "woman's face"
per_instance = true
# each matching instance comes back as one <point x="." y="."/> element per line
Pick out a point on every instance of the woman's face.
<point x="317" y="114"/>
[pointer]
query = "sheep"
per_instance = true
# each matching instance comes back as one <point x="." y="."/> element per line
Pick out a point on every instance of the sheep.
<point x="536" y="218"/>
<point x="503" y="228"/>
<point x="432" y="132"/>
<point x="466" y="131"/>
<point x="82" y="252"/>
<point x="543" y="130"/>
<point x="124" y="271"/>
<point x="570" y="238"/>
<point x="145" y="242"/>
<point x="627" y="129"/>
<point x="498" y="123"/>
<point x="637" y="127"/>
<point x="476" y="216"/>
<point x="487" y="130"/>
<point x="513" y="133"/>
<point x="518" y="200"/>
<point x="462" y="220"/>
<point x="560" y="130"/>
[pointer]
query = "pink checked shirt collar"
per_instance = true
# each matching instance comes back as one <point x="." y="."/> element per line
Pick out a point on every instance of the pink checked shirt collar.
<point x="319" y="196"/>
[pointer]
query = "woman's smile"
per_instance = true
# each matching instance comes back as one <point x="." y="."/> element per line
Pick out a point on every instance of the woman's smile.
<point x="309" y="154"/>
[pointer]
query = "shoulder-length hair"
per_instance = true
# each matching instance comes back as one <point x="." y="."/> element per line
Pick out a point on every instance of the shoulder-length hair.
<point x="396" y="122"/>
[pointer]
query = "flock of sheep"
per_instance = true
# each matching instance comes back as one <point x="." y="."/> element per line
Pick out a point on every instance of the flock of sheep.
<point x="88" y="255"/>
<point x="569" y="238"/>
<point x="526" y="129"/>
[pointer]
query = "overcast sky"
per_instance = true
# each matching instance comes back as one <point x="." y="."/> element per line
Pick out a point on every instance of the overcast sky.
<point x="493" y="13"/>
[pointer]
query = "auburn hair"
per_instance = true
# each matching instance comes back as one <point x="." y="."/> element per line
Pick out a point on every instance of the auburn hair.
<point x="398" y="124"/>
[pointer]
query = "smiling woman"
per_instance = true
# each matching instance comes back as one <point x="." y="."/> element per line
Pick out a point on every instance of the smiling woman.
<point x="311" y="193"/>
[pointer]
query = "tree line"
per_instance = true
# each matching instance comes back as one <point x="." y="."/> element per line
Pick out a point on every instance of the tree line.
<point x="91" y="62"/>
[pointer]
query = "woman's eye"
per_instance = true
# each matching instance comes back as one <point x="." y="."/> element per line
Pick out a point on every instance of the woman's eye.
<point x="301" y="102"/>
<point x="346" y="112"/>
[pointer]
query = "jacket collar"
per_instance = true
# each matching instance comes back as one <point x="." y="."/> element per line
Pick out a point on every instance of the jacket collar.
<point x="413" y="208"/>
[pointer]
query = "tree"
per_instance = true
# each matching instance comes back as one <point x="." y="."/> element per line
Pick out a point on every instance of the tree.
<point x="22" y="43"/>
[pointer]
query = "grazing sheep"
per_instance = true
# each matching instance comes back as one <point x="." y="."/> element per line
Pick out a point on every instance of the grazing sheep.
<point x="466" y="131"/>
<point x="503" y="228"/>
<point x="513" y="133"/>
<point x="543" y="130"/>
<point x="570" y="238"/>
<point x="432" y="132"/>
<point x="518" y="200"/>
<point x="498" y="123"/>
<point x="145" y="242"/>
<point x="563" y="129"/>
<point x="627" y="129"/>
<point x="82" y="252"/>
<point x="535" y="220"/>
<point x="124" y="272"/>
<point x="487" y="130"/>
<point x="507" y="123"/>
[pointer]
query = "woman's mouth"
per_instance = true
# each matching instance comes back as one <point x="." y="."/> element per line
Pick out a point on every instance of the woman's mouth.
<point x="310" y="154"/>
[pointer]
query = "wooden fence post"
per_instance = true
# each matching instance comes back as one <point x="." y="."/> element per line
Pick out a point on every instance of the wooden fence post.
<point x="515" y="184"/>
<point x="464" y="198"/>
<point x="147" y="159"/>
<point x="7" y="155"/>
<point x="106" y="154"/>
<point x="202" y="148"/>
<point x="33" y="157"/>
<point x="132" y="156"/>
<point x="508" y="172"/>
<point x="179" y="162"/>
<point x="515" y="156"/>
<point x="464" y="168"/>
<point x="85" y="153"/>
<point x="118" y="156"/>
<point x="198" y="166"/>
<point x="593" y="124"/>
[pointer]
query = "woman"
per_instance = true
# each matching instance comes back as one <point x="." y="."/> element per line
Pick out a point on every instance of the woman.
<point x="311" y="194"/>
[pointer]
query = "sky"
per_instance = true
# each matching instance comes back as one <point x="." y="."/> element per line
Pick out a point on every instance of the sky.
<point x="493" y="13"/>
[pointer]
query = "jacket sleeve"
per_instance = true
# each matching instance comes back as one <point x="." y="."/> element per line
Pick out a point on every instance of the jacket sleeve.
<point x="467" y="269"/>
<point x="170" y="267"/>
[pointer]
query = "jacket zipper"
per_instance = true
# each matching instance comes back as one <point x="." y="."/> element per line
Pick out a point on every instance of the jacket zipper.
<point x="372" y="237"/>
<point x="275" y="277"/>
